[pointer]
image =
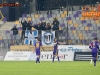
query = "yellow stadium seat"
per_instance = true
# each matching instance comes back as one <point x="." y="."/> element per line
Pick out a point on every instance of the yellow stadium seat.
<point x="62" y="15"/>
<point x="20" y="31"/>
<point x="70" y="22"/>
<point x="17" y="22"/>
<point x="60" y="28"/>
<point x="65" y="12"/>
<point x="33" y="28"/>
<point x="97" y="21"/>
<point x="94" y="9"/>
<point x="69" y="41"/>
<point x="76" y="25"/>
<point x="86" y="28"/>
<point x="0" y="37"/>
<point x="29" y="18"/>
<point x="86" y="18"/>
<point x="80" y="34"/>
<point x="36" y="16"/>
<point x="82" y="18"/>
<point x="81" y="38"/>
<point x="74" y="31"/>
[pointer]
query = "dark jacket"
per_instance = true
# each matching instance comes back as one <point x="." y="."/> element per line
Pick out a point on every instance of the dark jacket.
<point x="55" y="25"/>
<point x="15" y="31"/>
<point x="38" y="27"/>
<point x="48" y="28"/>
<point x="29" y="27"/>
<point x="24" y="25"/>
<point x="43" y="25"/>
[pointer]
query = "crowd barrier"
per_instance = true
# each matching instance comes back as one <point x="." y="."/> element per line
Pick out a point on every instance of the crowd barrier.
<point x="8" y="40"/>
<point x="65" y="52"/>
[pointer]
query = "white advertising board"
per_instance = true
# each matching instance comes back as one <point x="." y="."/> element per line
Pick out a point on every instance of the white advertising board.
<point x="66" y="53"/>
<point x="74" y="48"/>
<point x="47" y="56"/>
<point x="17" y="56"/>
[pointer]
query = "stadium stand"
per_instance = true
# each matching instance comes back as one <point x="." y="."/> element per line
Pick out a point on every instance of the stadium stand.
<point x="73" y="27"/>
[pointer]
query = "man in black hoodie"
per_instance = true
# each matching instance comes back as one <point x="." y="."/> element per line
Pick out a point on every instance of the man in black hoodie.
<point x="15" y="34"/>
<point x="24" y="26"/>
<point x="29" y="25"/>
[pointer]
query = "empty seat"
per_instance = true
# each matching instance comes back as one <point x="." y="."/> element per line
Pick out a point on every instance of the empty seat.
<point x="36" y="15"/>
<point x="70" y="22"/>
<point x="62" y="15"/>
<point x="65" y="12"/>
<point x="82" y="18"/>
<point x="29" y="18"/>
<point x="17" y="22"/>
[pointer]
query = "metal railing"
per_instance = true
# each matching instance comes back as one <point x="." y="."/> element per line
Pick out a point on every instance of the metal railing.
<point x="7" y="38"/>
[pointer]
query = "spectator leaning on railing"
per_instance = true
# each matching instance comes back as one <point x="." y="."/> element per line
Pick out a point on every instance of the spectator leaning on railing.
<point x="15" y="34"/>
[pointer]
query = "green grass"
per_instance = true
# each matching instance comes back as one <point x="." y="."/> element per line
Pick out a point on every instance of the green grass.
<point x="48" y="68"/>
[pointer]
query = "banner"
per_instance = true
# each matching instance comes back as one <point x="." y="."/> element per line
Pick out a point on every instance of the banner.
<point x="45" y="56"/>
<point x="66" y="55"/>
<point x="17" y="56"/>
<point x="2" y="55"/>
<point x="30" y="37"/>
<point x="74" y="48"/>
<point x="84" y="56"/>
<point x="48" y="56"/>
<point x="48" y="37"/>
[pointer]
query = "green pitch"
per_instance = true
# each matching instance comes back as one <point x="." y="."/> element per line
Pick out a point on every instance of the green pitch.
<point x="48" y="68"/>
